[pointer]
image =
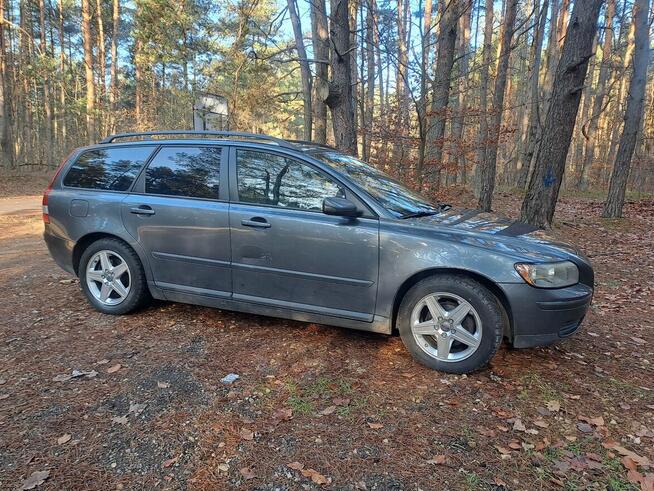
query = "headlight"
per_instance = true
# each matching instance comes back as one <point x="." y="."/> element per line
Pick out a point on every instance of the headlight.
<point x="549" y="275"/>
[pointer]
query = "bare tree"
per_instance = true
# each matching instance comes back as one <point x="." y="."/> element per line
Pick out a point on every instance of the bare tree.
<point x="543" y="191"/>
<point x="489" y="164"/>
<point x="601" y="92"/>
<point x="487" y="53"/>
<point x="88" y="70"/>
<point x="113" y="84"/>
<point x="6" y="143"/>
<point x="534" y="106"/>
<point x="441" y="91"/>
<point x="305" y="71"/>
<point x="320" y="40"/>
<point x="633" y="113"/>
<point x="339" y="99"/>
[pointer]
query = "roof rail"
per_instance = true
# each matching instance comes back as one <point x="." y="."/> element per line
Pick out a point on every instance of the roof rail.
<point x="309" y="143"/>
<point x="236" y="134"/>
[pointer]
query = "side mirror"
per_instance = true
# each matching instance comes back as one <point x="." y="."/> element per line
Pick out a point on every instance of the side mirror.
<point x="339" y="207"/>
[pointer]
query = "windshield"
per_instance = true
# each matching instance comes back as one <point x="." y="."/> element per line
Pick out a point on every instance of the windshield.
<point x="388" y="192"/>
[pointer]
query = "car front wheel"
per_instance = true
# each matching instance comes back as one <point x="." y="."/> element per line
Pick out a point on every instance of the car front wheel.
<point x="451" y="323"/>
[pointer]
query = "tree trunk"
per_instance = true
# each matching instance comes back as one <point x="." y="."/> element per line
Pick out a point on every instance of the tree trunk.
<point x="6" y="140"/>
<point x="62" y="68"/>
<point x="534" y="114"/>
<point x="370" y="82"/>
<point x="633" y="113"/>
<point x="487" y="54"/>
<point x="421" y="107"/>
<point x="88" y="70"/>
<point x="540" y="200"/>
<point x="402" y="119"/>
<point x="440" y="93"/>
<point x="601" y="91"/>
<point x="488" y="168"/>
<point x="113" y="84"/>
<point x="47" y="107"/>
<point x="320" y="40"/>
<point x="305" y="71"/>
<point x="102" y="65"/>
<point x="138" y="85"/>
<point x="340" y="86"/>
<point x="458" y="157"/>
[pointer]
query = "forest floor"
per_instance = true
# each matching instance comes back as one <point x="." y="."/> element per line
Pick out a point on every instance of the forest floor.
<point x="318" y="406"/>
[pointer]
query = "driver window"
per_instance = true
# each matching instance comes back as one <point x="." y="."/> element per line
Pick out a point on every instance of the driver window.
<point x="274" y="180"/>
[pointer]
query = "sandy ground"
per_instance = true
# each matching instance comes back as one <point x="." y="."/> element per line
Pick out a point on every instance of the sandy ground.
<point x="317" y="406"/>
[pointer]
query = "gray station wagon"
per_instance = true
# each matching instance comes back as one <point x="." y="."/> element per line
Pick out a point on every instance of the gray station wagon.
<point x="299" y="230"/>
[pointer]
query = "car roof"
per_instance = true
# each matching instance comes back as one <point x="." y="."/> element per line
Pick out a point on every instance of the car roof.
<point x="187" y="136"/>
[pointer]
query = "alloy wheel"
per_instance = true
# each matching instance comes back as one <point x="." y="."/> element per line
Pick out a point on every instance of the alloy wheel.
<point x="108" y="277"/>
<point x="446" y="327"/>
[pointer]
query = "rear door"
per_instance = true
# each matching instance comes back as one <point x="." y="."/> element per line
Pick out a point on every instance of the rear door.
<point x="178" y="212"/>
<point x="286" y="252"/>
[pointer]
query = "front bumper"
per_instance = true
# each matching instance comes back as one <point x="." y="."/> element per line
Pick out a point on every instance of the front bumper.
<point x="541" y="316"/>
<point x="60" y="249"/>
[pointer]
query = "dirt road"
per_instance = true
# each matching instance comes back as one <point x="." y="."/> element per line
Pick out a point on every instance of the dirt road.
<point x="20" y="205"/>
<point x="136" y="402"/>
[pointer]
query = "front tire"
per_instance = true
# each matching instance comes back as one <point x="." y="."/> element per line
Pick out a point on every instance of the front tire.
<point x="112" y="277"/>
<point x="451" y="323"/>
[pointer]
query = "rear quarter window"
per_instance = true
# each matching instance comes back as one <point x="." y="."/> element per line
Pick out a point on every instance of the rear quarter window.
<point x="111" y="169"/>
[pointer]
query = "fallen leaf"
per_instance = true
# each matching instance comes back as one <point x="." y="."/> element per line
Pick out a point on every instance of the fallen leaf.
<point x="223" y="468"/>
<point x="246" y="434"/>
<point x="163" y="385"/>
<point x="554" y="406"/>
<point x="327" y="411"/>
<point x="541" y="423"/>
<point x="104" y="361"/>
<point x="584" y="427"/>
<point x="515" y="445"/>
<point x="136" y="409"/>
<point x="341" y="401"/>
<point x="315" y="476"/>
<point x="114" y="368"/>
<point x="296" y="466"/>
<point x="644" y="461"/>
<point x="629" y="463"/>
<point x="437" y="460"/>
<point x="36" y="478"/>
<point x="375" y="426"/>
<point x="283" y="414"/>
<point x="502" y="450"/>
<point x="169" y="462"/>
<point x="518" y="425"/>
<point x="121" y="420"/>
<point x="247" y="473"/>
<point x="64" y="439"/>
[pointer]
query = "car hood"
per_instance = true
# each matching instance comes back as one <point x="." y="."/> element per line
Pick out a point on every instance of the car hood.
<point x="497" y="225"/>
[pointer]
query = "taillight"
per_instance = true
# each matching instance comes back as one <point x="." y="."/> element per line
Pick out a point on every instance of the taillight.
<point x="44" y="202"/>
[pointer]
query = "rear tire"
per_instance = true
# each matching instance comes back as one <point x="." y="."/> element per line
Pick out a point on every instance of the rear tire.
<point x="112" y="278"/>
<point x="451" y="323"/>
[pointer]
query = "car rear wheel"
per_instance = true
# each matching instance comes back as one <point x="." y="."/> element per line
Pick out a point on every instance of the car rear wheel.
<point x="112" y="278"/>
<point x="451" y="323"/>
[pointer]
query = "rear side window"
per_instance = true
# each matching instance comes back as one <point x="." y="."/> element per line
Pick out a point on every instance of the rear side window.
<point x="111" y="169"/>
<point x="192" y="172"/>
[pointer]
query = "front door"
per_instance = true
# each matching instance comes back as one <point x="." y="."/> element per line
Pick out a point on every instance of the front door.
<point x="286" y="252"/>
<point x="179" y="213"/>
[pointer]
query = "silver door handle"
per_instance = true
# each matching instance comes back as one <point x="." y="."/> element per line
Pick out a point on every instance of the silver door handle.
<point x="142" y="210"/>
<point x="256" y="222"/>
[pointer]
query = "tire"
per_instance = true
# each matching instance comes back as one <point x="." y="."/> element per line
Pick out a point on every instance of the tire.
<point x="468" y="344"/>
<point x="129" y="289"/>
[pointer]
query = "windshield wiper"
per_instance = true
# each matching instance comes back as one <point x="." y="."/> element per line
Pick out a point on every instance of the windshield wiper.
<point x="424" y="213"/>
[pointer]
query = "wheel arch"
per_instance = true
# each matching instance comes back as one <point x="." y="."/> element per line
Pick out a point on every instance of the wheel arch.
<point x="484" y="280"/>
<point x="85" y="241"/>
